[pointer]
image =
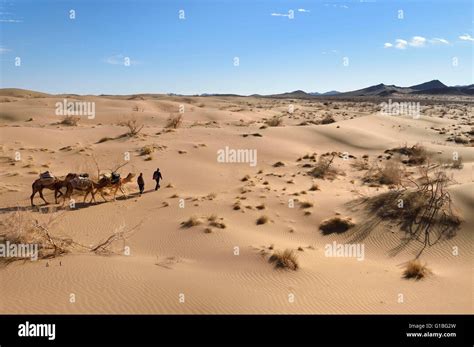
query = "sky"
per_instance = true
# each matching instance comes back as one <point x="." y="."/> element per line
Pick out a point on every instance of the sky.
<point x="232" y="46"/>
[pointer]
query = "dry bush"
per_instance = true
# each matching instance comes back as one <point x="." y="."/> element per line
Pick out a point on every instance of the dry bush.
<point x="361" y="164"/>
<point x="21" y="229"/>
<point x="314" y="187"/>
<point x="262" y="220"/>
<point x="391" y="173"/>
<point x="416" y="154"/>
<point x="414" y="269"/>
<point x="133" y="126"/>
<point x="147" y="150"/>
<point x="457" y="164"/>
<point x="425" y="212"/>
<point x="70" y="120"/>
<point x="284" y="260"/>
<point x="323" y="168"/>
<point x="279" y="164"/>
<point x="336" y="225"/>
<point x="191" y="222"/>
<point x="328" y="119"/>
<point x="275" y="121"/>
<point x="174" y="121"/>
<point x="306" y="204"/>
<point x="218" y="223"/>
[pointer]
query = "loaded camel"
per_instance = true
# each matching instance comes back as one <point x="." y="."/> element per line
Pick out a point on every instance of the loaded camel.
<point x="91" y="187"/>
<point x="52" y="183"/>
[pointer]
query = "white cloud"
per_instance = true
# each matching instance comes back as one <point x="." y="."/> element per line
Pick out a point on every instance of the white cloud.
<point x="466" y="37"/>
<point x="4" y="50"/>
<point x="120" y="59"/>
<point x="303" y="10"/>
<point x="11" y="21"/>
<point x="401" y="44"/>
<point x="280" y="15"/>
<point x="417" y="41"/>
<point x="437" y="40"/>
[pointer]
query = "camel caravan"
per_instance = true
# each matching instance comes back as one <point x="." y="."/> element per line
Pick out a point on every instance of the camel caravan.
<point x="78" y="182"/>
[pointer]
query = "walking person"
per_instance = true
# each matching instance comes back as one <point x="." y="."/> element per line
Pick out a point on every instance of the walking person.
<point x="157" y="177"/>
<point x="141" y="183"/>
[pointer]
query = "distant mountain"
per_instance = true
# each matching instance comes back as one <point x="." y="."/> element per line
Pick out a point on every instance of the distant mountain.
<point x="434" y="87"/>
<point x="332" y="92"/>
<point x="297" y="94"/>
<point x="434" y="84"/>
<point x="376" y="90"/>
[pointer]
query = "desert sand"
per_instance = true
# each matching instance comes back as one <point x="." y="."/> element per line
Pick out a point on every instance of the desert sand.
<point x="221" y="265"/>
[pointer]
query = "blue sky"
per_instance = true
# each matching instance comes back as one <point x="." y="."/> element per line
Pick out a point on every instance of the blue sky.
<point x="276" y="53"/>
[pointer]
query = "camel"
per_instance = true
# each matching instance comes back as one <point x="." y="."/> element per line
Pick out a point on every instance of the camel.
<point x="50" y="183"/>
<point x="106" y="181"/>
<point x="84" y="184"/>
<point x="89" y="186"/>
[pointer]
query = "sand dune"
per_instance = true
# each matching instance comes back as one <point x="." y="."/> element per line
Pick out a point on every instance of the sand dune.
<point x="167" y="260"/>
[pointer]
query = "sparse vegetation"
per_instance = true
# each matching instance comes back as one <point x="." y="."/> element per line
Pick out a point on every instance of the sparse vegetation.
<point x="174" y="121"/>
<point x="424" y="213"/>
<point x="191" y="222"/>
<point x="391" y="173"/>
<point x="284" y="260"/>
<point x="336" y="225"/>
<point x="70" y="120"/>
<point x="262" y="220"/>
<point x="414" y="269"/>
<point x="275" y="121"/>
<point x="133" y="126"/>
<point x="328" y="119"/>
<point x="147" y="150"/>
<point x="323" y="168"/>
<point x="306" y="204"/>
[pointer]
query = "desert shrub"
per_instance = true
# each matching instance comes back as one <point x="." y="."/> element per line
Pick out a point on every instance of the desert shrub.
<point x="391" y="173"/>
<point x="416" y="154"/>
<point x="174" y="121"/>
<point x="328" y="119"/>
<point x="133" y="126"/>
<point x="425" y="213"/>
<point x="323" y="168"/>
<point x="306" y="204"/>
<point x="147" y="150"/>
<point x="262" y="220"/>
<point x="279" y="164"/>
<point x="336" y="225"/>
<point x="21" y="229"/>
<point x="414" y="269"/>
<point x="284" y="260"/>
<point x="361" y="164"/>
<point x="457" y="164"/>
<point x="275" y="121"/>
<point x="70" y="120"/>
<point x="191" y="222"/>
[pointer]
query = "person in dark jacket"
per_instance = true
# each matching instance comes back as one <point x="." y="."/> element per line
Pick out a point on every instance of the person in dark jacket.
<point x="157" y="177"/>
<point x="141" y="183"/>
